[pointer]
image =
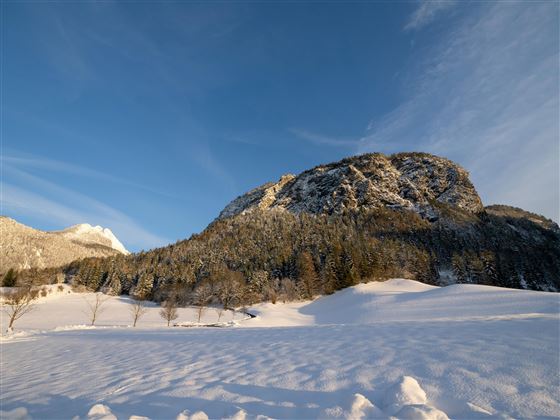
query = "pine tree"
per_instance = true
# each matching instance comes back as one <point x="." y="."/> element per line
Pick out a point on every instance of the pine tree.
<point x="490" y="274"/>
<point x="328" y="276"/>
<point x="114" y="284"/>
<point x="348" y="275"/>
<point x="307" y="276"/>
<point x="476" y="269"/>
<point x="143" y="290"/>
<point x="459" y="268"/>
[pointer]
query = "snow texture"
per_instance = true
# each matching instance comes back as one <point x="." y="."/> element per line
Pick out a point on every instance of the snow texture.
<point x="398" y="349"/>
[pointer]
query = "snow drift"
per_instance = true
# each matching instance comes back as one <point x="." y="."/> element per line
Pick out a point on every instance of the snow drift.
<point x="398" y="348"/>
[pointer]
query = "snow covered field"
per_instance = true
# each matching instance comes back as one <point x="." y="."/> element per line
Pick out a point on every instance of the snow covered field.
<point x="398" y="348"/>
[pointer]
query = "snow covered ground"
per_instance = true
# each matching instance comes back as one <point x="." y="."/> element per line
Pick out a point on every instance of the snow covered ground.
<point x="398" y="348"/>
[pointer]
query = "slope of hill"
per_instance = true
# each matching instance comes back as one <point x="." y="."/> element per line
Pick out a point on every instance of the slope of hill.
<point x="509" y="212"/>
<point x="409" y="301"/>
<point x="397" y="348"/>
<point x="23" y="247"/>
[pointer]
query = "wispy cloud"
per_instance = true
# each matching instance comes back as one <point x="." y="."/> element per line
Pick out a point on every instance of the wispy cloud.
<point x="202" y="154"/>
<point x="52" y="165"/>
<point x="322" y="139"/>
<point x="426" y="12"/>
<point x="51" y="202"/>
<point x="487" y="96"/>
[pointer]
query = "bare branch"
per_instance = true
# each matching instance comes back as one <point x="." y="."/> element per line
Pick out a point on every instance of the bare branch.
<point x="95" y="306"/>
<point x="18" y="303"/>
<point x="137" y="310"/>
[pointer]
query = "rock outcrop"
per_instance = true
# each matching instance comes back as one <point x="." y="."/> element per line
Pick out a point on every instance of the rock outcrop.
<point x="412" y="181"/>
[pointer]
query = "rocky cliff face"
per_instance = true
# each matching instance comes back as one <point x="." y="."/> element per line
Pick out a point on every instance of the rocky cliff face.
<point x="410" y="181"/>
<point x="22" y="247"/>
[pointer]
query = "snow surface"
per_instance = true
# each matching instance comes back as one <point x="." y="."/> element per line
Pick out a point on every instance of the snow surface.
<point x="398" y="348"/>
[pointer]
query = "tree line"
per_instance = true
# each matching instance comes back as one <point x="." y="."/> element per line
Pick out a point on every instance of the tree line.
<point x="276" y="255"/>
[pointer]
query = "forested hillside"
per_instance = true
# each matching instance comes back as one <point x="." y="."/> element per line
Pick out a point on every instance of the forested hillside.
<point x="273" y="254"/>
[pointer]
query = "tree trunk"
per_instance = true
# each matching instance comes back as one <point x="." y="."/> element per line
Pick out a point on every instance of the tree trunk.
<point x="12" y="319"/>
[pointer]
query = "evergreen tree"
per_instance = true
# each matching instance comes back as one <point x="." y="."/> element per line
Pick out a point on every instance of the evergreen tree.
<point x="490" y="274"/>
<point x="459" y="268"/>
<point x="114" y="284"/>
<point x="143" y="289"/>
<point x="307" y="276"/>
<point x="328" y="276"/>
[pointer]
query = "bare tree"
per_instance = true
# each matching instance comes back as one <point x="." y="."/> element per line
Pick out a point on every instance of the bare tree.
<point x="230" y="288"/>
<point x="169" y="311"/>
<point x="202" y="297"/>
<point x="17" y="304"/>
<point x="137" y="310"/>
<point x="95" y="307"/>
<point x="220" y="311"/>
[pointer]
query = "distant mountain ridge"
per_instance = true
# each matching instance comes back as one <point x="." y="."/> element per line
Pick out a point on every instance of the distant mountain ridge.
<point x="410" y="181"/>
<point x="22" y="247"/>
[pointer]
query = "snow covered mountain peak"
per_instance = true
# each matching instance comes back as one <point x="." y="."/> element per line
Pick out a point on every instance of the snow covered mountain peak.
<point x="87" y="232"/>
<point x="22" y="247"/>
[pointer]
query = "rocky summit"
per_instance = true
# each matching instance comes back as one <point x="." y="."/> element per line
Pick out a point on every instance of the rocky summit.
<point x="412" y="181"/>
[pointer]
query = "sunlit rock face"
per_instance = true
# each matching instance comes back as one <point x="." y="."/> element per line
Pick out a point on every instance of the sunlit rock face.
<point x="22" y="247"/>
<point x="413" y="181"/>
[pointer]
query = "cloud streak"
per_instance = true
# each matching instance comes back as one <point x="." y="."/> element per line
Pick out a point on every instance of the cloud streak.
<point x="51" y="165"/>
<point x="426" y="13"/>
<point x="487" y="97"/>
<point x="322" y="139"/>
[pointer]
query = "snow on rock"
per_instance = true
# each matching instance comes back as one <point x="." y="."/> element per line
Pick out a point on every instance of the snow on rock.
<point x="185" y="415"/>
<point x="420" y="412"/>
<point x="475" y="411"/>
<point x="405" y="392"/>
<point x="355" y="407"/>
<point x="362" y="408"/>
<point x="406" y="180"/>
<point x="100" y="412"/>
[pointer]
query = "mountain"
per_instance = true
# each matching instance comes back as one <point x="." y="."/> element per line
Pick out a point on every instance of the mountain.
<point x="411" y="181"/>
<point x="369" y="217"/>
<point x="23" y="247"/>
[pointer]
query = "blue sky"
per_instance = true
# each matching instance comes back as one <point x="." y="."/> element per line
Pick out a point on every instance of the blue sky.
<point x="148" y="118"/>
